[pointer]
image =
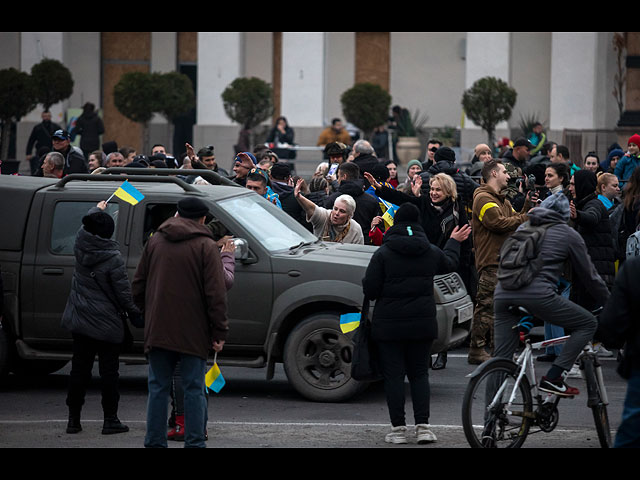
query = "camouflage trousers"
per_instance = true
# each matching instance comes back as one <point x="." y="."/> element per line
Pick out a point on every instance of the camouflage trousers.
<point x="482" y="323"/>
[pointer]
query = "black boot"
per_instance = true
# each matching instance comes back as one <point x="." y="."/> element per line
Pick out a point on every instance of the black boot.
<point x="441" y="361"/>
<point x="73" y="426"/>
<point x="113" y="425"/>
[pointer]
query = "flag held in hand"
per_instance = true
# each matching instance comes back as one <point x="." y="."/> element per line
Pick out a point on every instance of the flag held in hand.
<point x="214" y="379"/>
<point x="128" y="193"/>
<point x="349" y="322"/>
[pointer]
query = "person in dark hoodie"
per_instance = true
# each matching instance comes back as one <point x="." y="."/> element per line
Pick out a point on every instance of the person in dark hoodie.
<point x="560" y="243"/>
<point x="400" y="280"/>
<point x="367" y="206"/>
<point x="440" y="212"/>
<point x="100" y="290"/>
<point x="591" y="220"/>
<point x="181" y="325"/>
<point x="89" y="126"/>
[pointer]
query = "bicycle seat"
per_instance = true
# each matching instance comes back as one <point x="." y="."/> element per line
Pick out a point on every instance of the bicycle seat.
<point x="527" y="320"/>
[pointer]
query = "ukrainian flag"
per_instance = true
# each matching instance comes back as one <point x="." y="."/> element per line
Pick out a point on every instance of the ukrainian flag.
<point x="349" y="322"/>
<point x="390" y="211"/>
<point x="128" y="193"/>
<point x="214" y="379"/>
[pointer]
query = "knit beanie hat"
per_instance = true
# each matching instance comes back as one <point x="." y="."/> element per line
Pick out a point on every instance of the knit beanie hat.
<point x="99" y="223"/>
<point x="446" y="154"/>
<point x="414" y="162"/>
<point x="246" y="159"/>
<point x="635" y="138"/>
<point x="192" y="207"/>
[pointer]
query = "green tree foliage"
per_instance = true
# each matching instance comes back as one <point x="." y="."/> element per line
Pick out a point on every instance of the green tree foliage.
<point x="176" y="95"/>
<point x="53" y="82"/>
<point x="17" y="98"/>
<point x="136" y="96"/>
<point x="488" y="102"/>
<point x="366" y="105"/>
<point x="248" y="101"/>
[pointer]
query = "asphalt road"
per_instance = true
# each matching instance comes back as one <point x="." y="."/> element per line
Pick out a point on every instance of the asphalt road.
<point x="253" y="412"/>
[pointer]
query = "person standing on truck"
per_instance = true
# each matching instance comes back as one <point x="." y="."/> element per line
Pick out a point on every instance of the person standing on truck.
<point x="100" y="291"/>
<point x="181" y="325"/>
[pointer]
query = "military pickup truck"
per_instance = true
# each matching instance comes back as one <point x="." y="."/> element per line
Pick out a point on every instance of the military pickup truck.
<point x="289" y="292"/>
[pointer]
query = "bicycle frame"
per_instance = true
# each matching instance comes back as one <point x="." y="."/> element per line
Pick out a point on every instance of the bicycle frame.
<point x="524" y="361"/>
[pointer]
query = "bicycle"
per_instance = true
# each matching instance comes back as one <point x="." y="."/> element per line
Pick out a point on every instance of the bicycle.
<point x="502" y="401"/>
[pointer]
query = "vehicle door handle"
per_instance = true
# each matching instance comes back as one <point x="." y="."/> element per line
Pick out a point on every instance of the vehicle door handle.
<point x="294" y="273"/>
<point x="52" y="271"/>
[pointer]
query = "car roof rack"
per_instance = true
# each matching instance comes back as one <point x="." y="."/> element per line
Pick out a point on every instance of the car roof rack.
<point x="134" y="178"/>
<point x="209" y="175"/>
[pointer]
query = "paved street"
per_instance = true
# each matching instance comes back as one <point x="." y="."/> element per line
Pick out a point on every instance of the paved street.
<point x="251" y="412"/>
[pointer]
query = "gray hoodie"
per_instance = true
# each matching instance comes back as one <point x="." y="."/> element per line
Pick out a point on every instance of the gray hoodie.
<point x="560" y="243"/>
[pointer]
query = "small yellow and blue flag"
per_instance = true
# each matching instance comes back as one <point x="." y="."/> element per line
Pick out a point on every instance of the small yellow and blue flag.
<point x="214" y="379"/>
<point x="128" y="193"/>
<point x="349" y="322"/>
<point x="390" y="211"/>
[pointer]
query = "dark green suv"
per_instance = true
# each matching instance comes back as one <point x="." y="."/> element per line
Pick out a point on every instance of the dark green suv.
<point x="289" y="291"/>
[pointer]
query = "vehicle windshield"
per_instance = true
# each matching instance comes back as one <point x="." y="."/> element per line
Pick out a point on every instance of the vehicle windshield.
<point x="270" y="225"/>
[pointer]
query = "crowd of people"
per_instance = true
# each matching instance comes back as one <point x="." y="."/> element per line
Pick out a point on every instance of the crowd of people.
<point x="432" y="218"/>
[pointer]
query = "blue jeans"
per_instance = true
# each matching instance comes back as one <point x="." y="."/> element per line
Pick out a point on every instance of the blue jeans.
<point x="629" y="431"/>
<point x="162" y="364"/>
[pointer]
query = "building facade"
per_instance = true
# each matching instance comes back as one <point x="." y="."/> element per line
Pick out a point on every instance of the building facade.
<point x="564" y="79"/>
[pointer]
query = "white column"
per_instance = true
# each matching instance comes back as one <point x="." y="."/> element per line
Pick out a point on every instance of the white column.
<point x="220" y="61"/>
<point x="303" y="78"/>
<point x="487" y="55"/>
<point x="573" y="80"/>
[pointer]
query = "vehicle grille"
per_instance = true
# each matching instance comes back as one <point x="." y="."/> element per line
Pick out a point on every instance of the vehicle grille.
<point x="448" y="285"/>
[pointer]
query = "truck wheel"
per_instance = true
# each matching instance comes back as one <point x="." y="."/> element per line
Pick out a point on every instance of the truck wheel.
<point x="317" y="360"/>
<point x="5" y="353"/>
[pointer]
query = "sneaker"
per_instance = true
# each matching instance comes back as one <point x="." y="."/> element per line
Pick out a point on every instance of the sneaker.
<point x="601" y="351"/>
<point x="557" y="387"/>
<point x="176" y="434"/>
<point x="575" y="372"/>
<point x="397" y="435"/>
<point x="424" y="435"/>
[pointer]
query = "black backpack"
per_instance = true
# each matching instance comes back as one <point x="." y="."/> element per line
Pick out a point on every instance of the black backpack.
<point x="520" y="260"/>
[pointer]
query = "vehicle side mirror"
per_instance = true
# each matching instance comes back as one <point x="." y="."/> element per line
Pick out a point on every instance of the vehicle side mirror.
<point x="242" y="249"/>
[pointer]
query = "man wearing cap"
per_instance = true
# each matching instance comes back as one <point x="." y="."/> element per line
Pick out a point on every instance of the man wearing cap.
<point x="180" y="285"/>
<point x="243" y="163"/>
<point x="515" y="161"/>
<point x="74" y="161"/>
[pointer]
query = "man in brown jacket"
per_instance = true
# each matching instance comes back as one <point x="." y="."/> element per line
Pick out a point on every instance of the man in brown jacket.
<point x="493" y="220"/>
<point x="180" y="285"/>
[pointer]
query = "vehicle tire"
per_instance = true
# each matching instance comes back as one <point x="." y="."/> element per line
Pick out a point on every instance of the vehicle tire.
<point x="599" y="409"/>
<point x="498" y="428"/>
<point x="5" y="354"/>
<point x="35" y="368"/>
<point x="317" y="360"/>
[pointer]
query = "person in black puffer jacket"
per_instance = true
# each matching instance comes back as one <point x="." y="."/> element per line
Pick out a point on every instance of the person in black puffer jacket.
<point x="400" y="280"/>
<point x="99" y="281"/>
<point x="591" y="220"/>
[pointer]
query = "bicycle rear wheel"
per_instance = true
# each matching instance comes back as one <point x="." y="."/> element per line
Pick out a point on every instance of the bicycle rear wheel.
<point x="598" y="407"/>
<point x="487" y="420"/>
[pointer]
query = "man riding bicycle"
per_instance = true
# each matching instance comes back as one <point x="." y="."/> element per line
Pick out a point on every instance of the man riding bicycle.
<point x="540" y="297"/>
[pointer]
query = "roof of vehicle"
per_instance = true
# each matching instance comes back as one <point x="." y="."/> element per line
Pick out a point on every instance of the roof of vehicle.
<point x="17" y="193"/>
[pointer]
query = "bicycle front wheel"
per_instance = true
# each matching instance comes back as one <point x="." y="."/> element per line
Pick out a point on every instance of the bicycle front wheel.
<point x="595" y="402"/>
<point x="489" y="418"/>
